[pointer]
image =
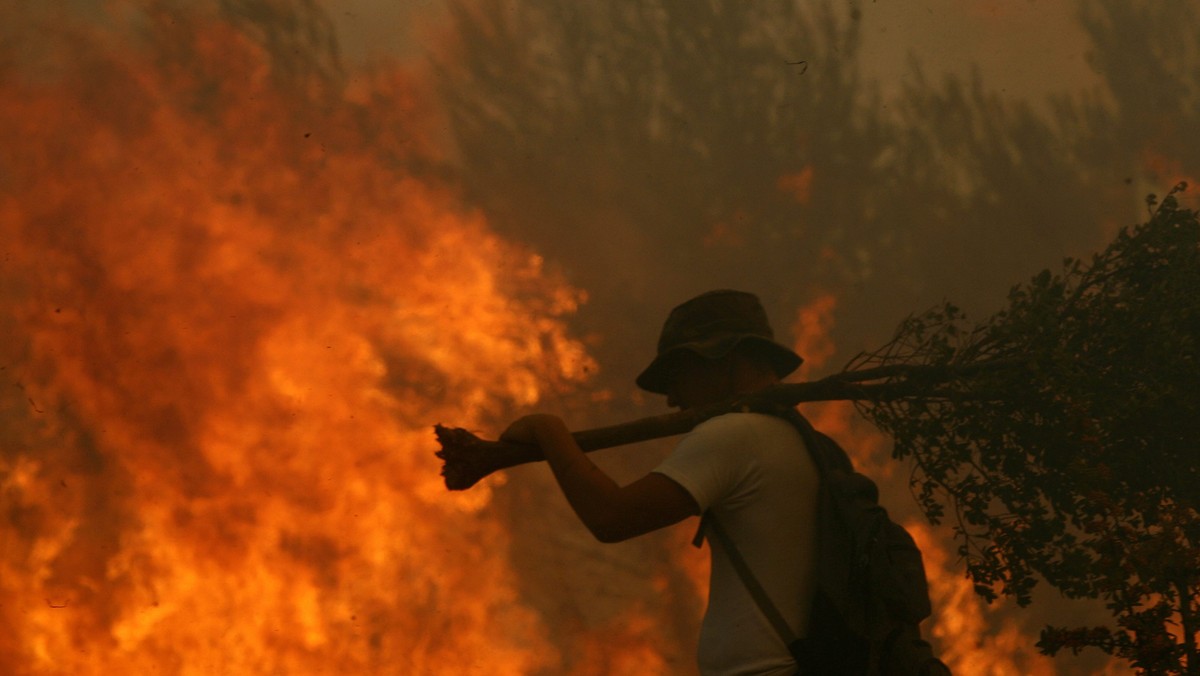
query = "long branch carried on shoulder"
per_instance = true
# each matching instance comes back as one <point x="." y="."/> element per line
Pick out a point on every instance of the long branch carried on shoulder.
<point x="467" y="458"/>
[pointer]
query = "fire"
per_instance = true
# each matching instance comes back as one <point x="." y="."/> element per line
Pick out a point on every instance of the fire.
<point x="812" y="326"/>
<point x="230" y="319"/>
<point x="975" y="640"/>
<point x="628" y="646"/>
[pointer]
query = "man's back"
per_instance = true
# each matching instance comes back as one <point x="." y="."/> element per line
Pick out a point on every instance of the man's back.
<point x="753" y="472"/>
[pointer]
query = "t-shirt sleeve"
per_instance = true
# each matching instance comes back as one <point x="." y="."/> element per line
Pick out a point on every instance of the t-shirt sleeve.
<point x="711" y="462"/>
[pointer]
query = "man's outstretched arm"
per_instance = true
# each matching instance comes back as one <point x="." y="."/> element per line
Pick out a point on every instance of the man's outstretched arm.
<point x="612" y="513"/>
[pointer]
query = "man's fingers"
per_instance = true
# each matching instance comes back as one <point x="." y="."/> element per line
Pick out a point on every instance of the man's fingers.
<point x="519" y="432"/>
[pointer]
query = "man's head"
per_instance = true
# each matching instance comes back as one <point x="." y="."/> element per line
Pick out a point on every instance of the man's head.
<point x="714" y="346"/>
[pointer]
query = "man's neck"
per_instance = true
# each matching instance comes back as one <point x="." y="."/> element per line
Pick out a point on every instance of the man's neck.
<point x="746" y="379"/>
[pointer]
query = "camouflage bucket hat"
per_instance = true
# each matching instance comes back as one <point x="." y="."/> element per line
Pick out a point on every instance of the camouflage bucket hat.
<point x="712" y="325"/>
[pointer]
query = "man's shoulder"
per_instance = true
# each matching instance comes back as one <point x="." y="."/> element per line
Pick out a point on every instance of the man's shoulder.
<point x="744" y="430"/>
<point x="738" y="422"/>
<point x="725" y="431"/>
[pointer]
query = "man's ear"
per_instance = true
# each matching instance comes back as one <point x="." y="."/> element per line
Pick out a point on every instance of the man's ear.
<point x="749" y="369"/>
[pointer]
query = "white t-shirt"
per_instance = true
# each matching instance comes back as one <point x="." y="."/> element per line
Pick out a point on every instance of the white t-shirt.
<point x="754" y="473"/>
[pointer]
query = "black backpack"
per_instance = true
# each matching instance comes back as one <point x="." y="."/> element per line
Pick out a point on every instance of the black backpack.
<point x="871" y="591"/>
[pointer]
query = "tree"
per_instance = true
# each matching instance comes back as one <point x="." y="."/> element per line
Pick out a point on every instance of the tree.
<point x="1078" y="468"/>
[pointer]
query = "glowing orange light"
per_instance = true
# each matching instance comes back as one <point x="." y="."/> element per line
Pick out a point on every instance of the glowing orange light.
<point x="235" y="320"/>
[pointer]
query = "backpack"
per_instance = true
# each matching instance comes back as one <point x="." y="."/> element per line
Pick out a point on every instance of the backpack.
<point x="871" y="592"/>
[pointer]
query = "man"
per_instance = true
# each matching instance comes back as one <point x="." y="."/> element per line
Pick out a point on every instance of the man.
<point x="749" y="470"/>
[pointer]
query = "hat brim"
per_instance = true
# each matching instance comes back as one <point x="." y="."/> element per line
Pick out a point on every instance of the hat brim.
<point x="783" y="361"/>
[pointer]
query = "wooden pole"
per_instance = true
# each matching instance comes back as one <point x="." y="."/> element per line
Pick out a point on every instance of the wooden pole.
<point x="467" y="458"/>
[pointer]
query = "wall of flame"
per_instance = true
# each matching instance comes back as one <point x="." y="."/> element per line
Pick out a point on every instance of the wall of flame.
<point x="231" y="313"/>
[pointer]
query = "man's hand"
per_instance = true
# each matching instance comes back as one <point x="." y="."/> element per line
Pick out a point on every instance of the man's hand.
<point x="531" y="428"/>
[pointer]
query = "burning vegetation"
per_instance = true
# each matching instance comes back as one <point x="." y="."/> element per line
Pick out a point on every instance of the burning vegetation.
<point x="230" y="307"/>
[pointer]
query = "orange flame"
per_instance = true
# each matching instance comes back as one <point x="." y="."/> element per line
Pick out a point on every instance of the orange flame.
<point x="812" y="326"/>
<point x="231" y="321"/>
<point x="975" y="640"/>
<point x="628" y="646"/>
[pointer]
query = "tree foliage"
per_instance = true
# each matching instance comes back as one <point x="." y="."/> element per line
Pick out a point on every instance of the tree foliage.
<point x="1077" y="464"/>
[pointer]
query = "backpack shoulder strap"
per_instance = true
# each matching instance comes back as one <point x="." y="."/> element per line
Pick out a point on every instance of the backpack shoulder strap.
<point x="710" y="523"/>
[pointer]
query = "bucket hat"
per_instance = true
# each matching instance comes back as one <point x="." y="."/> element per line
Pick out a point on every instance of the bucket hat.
<point x="712" y="325"/>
